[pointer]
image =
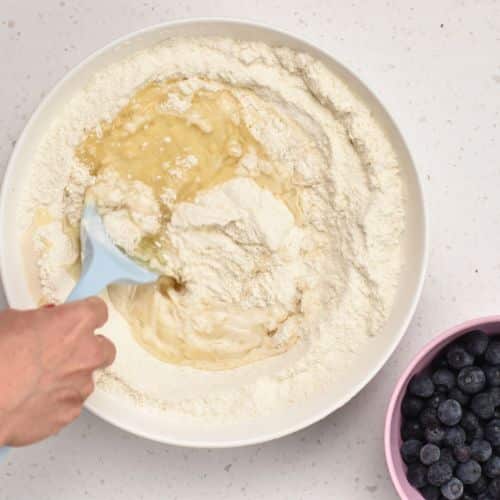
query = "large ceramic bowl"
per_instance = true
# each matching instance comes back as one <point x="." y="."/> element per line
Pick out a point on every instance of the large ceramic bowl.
<point x="123" y="413"/>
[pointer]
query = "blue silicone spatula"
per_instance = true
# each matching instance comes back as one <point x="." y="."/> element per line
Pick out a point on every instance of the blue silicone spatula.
<point x="102" y="262"/>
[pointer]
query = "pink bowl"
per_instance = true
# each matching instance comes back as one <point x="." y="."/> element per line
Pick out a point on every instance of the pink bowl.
<point x="392" y="438"/>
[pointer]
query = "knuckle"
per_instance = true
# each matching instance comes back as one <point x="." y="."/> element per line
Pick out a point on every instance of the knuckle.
<point x="107" y="349"/>
<point x="91" y="355"/>
<point x="98" y="309"/>
<point x="68" y="395"/>
<point x="100" y="352"/>
<point x="61" y="321"/>
<point x="86" y="315"/>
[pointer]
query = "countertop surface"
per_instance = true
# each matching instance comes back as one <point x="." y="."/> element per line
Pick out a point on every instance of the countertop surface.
<point x="436" y="66"/>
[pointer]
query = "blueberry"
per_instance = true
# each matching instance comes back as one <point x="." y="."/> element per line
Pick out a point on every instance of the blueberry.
<point x="447" y="457"/>
<point x="429" y="454"/>
<point x="450" y="412"/>
<point x="484" y="496"/>
<point x="474" y="435"/>
<point x="479" y="486"/>
<point x="417" y="475"/>
<point x="494" y="487"/>
<point x="480" y="450"/>
<point x="444" y="378"/>
<point x="410" y="450"/>
<point x="458" y="357"/>
<point x="493" y="375"/>
<point x="471" y="379"/>
<point x="439" y="473"/>
<point x="434" y="434"/>
<point x="454" y="436"/>
<point x="411" y="429"/>
<point x="476" y="342"/>
<point x="453" y="489"/>
<point x="428" y="418"/>
<point x="492" y="467"/>
<point x="482" y="405"/>
<point x="430" y="492"/>
<point x="458" y="395"/>
<point x="439" y="362"/>
<point x="462" y="453"/>
<point x="468" y="472"/>
<point x="421" y="386"/>
<point x="436" y="400"/>
<point x="492" y="432"/>
<point x="495" y="396"/>
<point x="492" y="354"/>
<point x="411" y="406"/>
<point x="469" y="421"/>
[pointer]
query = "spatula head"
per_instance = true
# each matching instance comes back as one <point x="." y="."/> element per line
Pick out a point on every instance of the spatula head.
<point x="100" y="254"/>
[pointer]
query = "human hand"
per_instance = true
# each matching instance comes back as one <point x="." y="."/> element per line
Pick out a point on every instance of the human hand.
<point x="47" y="357"/>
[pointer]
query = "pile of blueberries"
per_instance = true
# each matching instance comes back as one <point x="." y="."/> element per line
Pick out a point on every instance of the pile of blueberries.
<point x="451" y="422"/>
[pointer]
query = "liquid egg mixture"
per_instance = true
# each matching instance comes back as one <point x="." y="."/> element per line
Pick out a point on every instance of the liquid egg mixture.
<point x="185" y="188"/>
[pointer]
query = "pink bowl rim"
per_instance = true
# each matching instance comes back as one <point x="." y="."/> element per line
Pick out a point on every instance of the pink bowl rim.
<point x="391" y="409"/>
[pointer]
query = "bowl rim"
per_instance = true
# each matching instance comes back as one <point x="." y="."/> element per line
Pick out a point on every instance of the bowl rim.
<point x="439" y="341"/>
<point x="234" y="21"/>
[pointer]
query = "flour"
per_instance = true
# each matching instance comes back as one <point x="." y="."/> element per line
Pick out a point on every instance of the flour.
<point x="237" y="249"/>
<point x="168" y="197"/>
<point x="174" y="103"/>
<point x="320" y="267"/>
<point x="186" y="162"/>
<point x="114" y="195"/>
<point x="54" y="252"/>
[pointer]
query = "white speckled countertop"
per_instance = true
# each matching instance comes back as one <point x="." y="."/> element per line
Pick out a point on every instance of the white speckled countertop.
<point x="436" y="66"/>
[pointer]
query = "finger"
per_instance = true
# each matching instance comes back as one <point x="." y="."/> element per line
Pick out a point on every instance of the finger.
<point x="68" y="396"/>
<point x="93" y="352"/>
<point x="82" y="316"/>
<point x="68" y="406"/>
<point x="82" y="382"/>
<point x="107" y="350"/>
<point x="87" y="388"/>
<point x="94" y="310"/>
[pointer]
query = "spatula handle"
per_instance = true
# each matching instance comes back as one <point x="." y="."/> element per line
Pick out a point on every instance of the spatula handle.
<point x="88" y="285"/>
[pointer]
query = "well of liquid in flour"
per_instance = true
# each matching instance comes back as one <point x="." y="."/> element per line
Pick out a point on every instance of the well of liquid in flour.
<point x="168" y="140"/>
<point x="180" y="144"/>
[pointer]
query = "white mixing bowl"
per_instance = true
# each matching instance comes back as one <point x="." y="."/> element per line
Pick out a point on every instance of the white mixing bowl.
<point x="123" y="413"/>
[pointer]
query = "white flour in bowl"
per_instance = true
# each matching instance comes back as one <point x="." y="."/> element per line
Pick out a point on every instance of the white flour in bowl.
<point x="289" y="265"/>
